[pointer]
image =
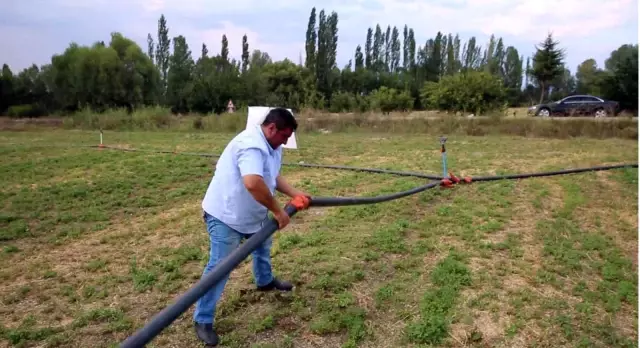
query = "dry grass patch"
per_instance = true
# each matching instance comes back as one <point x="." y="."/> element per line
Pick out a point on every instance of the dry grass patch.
<point x="534" y="290"/>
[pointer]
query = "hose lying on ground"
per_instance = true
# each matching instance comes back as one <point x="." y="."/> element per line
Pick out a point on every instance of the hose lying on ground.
<point x="342" y="201"/>
<point x="164" y="318"/>
<point x="309" y="165"/>
<point x="557" y="172"/>
<point x="392" y="172"/>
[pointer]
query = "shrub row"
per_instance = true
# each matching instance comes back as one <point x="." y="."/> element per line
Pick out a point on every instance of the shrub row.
<point x="436" y="124"/>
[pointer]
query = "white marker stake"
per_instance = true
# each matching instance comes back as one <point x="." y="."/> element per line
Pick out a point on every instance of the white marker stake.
<point x="101" y="145"/>
<point x="257" y="114"/>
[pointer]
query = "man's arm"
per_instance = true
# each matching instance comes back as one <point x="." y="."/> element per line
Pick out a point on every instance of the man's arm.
<point x="283" y="186"/>
<point x="256" y="186"/>
<point x="250" y="163"/>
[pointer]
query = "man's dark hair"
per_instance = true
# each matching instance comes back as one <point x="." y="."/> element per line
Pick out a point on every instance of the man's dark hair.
<point x="282" y="118"/>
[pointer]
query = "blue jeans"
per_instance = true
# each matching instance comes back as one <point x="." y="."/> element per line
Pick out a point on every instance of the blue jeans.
<point x="223" y="240"/>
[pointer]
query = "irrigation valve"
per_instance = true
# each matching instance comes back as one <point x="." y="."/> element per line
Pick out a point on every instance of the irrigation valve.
<point x="451" y="179"/>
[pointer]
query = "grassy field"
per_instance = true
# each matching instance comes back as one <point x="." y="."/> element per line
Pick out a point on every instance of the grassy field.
<point x="95" y="242"/>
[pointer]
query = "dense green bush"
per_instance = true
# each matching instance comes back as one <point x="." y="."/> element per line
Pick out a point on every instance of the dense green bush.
<point x="343" y="102"/>
<point x="349" y="102"/>
<point x="469" y="92"/>
<point x="388" y="99"/>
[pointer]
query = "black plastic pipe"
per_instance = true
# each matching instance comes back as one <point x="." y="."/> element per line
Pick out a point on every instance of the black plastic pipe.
<point x="164" y="318"/>
<point x="392" y="172"/>
<point x="342" y="201"/>
<point x="370" y="170"/>
<point x="309" y="165"/>
<point x="395" y="172"/>
<point x="551" y="173"/>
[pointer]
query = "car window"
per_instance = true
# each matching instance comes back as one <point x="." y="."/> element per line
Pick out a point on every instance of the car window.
<point x="591" y="99"/>
<point x="571" y="100"/>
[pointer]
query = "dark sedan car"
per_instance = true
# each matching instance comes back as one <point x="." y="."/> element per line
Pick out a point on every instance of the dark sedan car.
<point x="576" y="105"/>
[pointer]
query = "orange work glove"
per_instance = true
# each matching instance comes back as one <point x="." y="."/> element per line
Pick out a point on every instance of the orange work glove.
<point x="300" y="202"/>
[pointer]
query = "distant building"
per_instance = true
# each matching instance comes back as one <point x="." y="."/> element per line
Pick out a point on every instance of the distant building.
<point x="230" y="107"/>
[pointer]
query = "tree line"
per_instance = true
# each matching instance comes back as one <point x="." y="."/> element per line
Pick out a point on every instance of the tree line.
<point x="391" y="71"/>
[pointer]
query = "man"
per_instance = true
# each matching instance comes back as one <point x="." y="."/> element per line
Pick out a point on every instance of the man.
<point x="236" y="204"/>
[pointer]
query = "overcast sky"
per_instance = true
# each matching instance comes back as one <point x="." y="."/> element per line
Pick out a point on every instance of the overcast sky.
<point x="33" y="30"/>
